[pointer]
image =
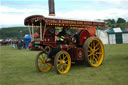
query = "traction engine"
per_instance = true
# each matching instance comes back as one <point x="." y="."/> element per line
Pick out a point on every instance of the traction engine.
<point x="65" y="41"/>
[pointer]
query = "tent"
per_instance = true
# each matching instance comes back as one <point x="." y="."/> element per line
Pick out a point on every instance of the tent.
<point x="102" y="35"/>
<point x="27" y="39"/>
<point x="117" y="36"/>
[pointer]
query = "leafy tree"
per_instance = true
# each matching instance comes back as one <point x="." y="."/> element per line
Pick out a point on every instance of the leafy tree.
<point x="121" y="20"/>
<point x="113" y="21"/>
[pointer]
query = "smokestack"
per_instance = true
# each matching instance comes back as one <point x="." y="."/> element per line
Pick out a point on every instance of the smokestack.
<point x="51" y="8"/>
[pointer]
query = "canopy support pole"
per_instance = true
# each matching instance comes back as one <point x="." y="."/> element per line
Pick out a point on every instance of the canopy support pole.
<point x="29" y="30"/>
<point x="32" y="32"/>
<point x="44" y="31"/>
<point x="40" y="31"/>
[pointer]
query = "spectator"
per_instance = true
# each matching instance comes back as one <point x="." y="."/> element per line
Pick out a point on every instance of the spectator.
<point x="13" y="44"/>
<point x="19" y="44"/>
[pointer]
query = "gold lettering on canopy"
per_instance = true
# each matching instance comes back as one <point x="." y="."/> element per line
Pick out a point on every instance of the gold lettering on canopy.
<point x="79" y="22"/>
<point x="72" y="22"/>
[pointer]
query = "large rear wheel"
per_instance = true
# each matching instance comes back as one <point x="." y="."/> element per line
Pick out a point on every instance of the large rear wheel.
<point x="94" y="51"/>
<point x="43" y="62"/>
<point x="62" y="62"/>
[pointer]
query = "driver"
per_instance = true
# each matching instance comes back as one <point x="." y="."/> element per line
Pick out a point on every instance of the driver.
<point x="65" y="32"/>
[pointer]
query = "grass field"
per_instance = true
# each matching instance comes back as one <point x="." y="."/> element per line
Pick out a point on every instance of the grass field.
<point x="17" y="67"/>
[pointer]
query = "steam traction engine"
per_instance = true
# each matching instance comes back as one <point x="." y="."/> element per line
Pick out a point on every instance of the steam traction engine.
<point x="65" y="41"/>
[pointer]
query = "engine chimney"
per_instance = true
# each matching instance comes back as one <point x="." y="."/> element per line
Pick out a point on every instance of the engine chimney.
<point x="51" y="8"/>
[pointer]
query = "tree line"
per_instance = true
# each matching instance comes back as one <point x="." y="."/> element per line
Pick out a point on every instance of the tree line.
<point x="13" y="33"/>
<point x="112" y="23"/>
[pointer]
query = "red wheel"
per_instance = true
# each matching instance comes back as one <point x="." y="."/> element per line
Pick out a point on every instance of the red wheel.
<point x="83" y="35"/>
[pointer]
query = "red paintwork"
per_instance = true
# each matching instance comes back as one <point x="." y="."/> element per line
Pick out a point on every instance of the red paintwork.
<point x="80" y="54"/>
<point x="76" y="52"/>
<point x="91" y="30"/>
<point x="83" y="36"/>
<point x="52" y="44"/>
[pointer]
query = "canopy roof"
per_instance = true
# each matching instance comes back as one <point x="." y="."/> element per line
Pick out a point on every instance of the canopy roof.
<point x="116" y="30"/>
<point x="37" y="19"/>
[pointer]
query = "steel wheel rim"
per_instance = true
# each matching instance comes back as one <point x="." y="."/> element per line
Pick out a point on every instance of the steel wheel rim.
<point x="44" y="64"/>
<point x="95" y="52"/>
<point x="63" y="62"/>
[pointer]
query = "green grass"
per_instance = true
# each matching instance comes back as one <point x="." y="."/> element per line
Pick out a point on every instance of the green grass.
<point x="17" y="67"/>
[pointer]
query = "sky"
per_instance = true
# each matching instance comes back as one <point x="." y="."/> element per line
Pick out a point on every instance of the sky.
<point x="13" y="12"/>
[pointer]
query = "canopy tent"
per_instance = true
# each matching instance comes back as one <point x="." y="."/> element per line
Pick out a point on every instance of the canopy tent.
<point x="102" y="35"/>
<point x="27" y="39"/>
<point x="117" y="36"/>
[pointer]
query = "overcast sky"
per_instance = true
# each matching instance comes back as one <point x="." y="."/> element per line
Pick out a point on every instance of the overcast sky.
<point x="13" y="12"/>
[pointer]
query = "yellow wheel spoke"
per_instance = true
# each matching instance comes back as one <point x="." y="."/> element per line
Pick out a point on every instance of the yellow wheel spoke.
<point x="93" y="56"/>
<point x="93" y="44"/>
<point x="58" y="64"/>
<point x="98" y="53"/>
<point x="58" y="60"/>
<point x="97" y="49"/>
<point x="90" y="54"/>
<point x="91" y="59"/>
<point x="43" y="57"/>
<point x="61" y="67"/>
<point x="89" y="51"/>
<point x="97" y="57"/>
<point x="90" y="47"/>
<point x="48" y="64"/>
<point x="62" y="62"/>
<point x="40" y="58"/>
<point x="97" y="44"/>
<point x="60" y="57"/>
<point x="64" y="57"/>
<point x="66" y="60"/>
<point x="65" y="64"/>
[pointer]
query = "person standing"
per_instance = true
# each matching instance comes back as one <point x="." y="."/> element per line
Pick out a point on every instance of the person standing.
<point x="13" y="44"/>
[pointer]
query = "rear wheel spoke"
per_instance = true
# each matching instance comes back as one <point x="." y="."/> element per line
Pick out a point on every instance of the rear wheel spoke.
<point x="95" y="52"/>
<point x="97" y="44"/>
<point x="90" y="54"/>
<point x="98" y="53"/>
<point x="97" y="49"/>
<point x="96" y="56"/>
<point x="90" y="48"/>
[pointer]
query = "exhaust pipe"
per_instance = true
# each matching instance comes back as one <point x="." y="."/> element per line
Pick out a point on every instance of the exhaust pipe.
<point x="51" y="8"/>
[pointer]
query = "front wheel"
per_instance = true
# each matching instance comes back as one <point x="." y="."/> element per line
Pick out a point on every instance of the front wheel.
<point x="94" y="51"/>
<point x="62" y="62"/>
<point x="43" y="62"/>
